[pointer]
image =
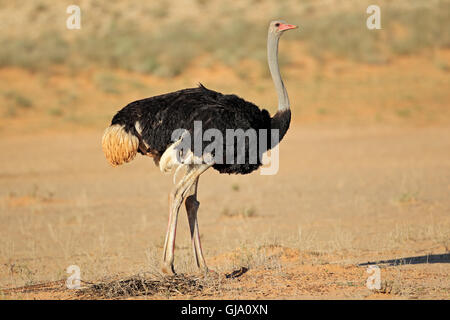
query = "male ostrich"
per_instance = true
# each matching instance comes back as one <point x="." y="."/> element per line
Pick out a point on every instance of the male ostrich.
<point x="146" y="126"/>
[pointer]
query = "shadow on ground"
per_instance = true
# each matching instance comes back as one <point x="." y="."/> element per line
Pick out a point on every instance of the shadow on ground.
<point x="429" y="258"/>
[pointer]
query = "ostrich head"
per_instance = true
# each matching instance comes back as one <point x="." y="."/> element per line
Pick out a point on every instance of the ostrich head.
<point x="277" y="27"/>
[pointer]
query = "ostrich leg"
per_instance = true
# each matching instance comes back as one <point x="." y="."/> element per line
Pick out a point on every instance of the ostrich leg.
<point x="192" y="206"/>
<point x="176" y="198"/>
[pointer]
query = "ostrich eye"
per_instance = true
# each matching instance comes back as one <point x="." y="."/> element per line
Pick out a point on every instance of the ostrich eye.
<point x="277" y="24"/>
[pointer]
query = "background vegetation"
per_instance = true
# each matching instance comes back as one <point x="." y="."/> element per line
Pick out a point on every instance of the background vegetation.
<point x="336" y="70"/>
<point x="163" y="37"/>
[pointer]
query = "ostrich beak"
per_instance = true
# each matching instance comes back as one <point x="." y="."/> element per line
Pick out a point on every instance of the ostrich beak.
<point x="284" y="27"/>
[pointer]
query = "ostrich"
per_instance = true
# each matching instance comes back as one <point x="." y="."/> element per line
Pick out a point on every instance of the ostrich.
<point x="146" y="126"/>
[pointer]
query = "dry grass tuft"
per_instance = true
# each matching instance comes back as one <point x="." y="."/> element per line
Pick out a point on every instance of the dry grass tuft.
<point x="144" y="284"/>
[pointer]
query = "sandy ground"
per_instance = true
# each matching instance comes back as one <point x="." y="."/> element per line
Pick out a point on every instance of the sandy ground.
<point x="342" y="198"/>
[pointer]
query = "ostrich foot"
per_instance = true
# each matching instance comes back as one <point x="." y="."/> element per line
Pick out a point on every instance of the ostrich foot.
<point x="168" y="269"/>
<point x="208" y="271"/>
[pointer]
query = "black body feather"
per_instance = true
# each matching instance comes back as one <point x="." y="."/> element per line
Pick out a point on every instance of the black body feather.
<point x="159" y="116"/>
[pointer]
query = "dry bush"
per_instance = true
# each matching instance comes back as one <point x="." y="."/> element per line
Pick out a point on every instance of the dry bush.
<point x="143" y="284"/>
